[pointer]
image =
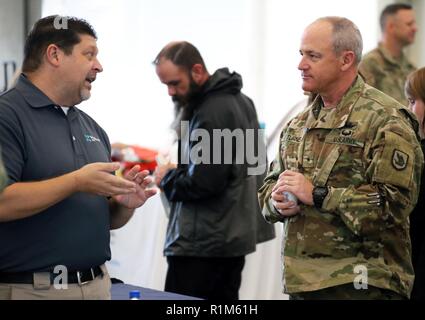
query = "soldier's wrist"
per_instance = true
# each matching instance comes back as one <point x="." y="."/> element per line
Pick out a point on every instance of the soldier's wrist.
<point x="319" y="194"/>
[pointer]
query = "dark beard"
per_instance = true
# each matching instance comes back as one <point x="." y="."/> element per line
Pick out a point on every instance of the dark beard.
<point x="184" y="106"/>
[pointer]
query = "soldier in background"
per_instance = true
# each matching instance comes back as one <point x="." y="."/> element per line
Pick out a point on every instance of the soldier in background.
<point x="354" y="164"/>
<point x="386" y="67"/>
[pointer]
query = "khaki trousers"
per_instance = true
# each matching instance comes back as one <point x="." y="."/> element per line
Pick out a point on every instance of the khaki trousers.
<point x="97" y="289"/>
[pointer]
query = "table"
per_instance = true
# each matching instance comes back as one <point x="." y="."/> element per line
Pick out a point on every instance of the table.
<point x="120" y="291"/>
<point x="137" y="256"/>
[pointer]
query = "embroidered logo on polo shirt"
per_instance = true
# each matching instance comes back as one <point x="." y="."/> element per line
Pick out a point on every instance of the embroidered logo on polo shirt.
<point x="90" y="138"/>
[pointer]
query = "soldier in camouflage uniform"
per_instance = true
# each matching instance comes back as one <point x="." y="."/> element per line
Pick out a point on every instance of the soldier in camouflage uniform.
<point x="354" y="162"/>
<point x="386" y="67"/>
<point x="3" y="177"/>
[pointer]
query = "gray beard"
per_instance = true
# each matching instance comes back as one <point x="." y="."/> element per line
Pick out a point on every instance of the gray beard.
<point x="84" y="95"/>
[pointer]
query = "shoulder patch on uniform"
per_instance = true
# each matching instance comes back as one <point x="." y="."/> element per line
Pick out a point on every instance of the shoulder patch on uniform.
<point x="396" y="164"/>
<point x="400" y="160"/>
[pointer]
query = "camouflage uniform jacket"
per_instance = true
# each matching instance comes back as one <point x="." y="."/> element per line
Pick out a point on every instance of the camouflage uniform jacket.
<point x="366" y="151"/>
<point x="382" y="71"/>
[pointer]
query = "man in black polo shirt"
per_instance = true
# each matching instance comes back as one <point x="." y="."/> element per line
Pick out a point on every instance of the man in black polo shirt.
<point x="62" y="197"/>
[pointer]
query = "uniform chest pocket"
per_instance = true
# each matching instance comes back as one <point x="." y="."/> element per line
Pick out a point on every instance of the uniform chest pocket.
<point x="340" y="161"/>
<point x="322" y="174"/>
<point x="289" y="149"/>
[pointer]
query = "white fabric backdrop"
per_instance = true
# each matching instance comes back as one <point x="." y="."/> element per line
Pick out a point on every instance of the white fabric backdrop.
<point x="257" y="38"/>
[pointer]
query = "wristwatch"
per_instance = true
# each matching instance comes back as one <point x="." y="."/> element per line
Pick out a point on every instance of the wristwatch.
<point x="319" y="195"/>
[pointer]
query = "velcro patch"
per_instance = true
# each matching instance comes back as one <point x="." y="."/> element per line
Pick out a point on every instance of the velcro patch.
<point x="400" y="160"/>
<point x="395" y="165"/>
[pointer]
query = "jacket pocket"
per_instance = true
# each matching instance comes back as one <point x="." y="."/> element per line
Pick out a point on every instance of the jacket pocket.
<point x="340" y="164"/>
<point x="324" y="235"/>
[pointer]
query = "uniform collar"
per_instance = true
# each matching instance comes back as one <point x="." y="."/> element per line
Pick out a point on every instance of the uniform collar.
<point x="343" y="109"/>
<point x="389" y="58"/>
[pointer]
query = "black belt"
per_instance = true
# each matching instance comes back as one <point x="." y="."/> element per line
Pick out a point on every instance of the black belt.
<point x="81" y="277"/>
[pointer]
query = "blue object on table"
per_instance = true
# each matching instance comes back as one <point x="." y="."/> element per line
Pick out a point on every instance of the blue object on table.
<point x="134" y="295"/>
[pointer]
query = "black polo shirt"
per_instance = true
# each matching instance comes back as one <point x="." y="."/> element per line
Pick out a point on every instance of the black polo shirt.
<point x="39" y="141"/>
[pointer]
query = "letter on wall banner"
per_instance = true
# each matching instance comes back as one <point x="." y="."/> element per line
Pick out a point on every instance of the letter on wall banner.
<point x="9" y="69"/>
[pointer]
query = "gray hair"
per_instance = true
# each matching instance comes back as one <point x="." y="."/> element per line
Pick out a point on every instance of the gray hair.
<point x="346" y="36"/>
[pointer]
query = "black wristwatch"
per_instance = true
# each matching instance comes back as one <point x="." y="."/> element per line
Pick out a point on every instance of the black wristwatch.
<point x="319" y="195"/>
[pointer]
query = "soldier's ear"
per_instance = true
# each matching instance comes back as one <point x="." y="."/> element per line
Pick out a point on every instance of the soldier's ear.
<point x="390" y="26"/>
<point x="348" y="58"/>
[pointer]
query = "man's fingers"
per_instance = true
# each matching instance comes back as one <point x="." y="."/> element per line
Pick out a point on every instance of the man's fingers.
<point x="120" y="183"/>
<point x="132" y="173"/>
<point x="288" y="173"/>
<point x="150" y="192"/>
<point x="142" y="174"/>
<point x="278" y="184"/>
<point x="285" y="178"/>
<point x="290" y="212"/>
<point x="147" y="181"/>
<point x="143" y="183"/>
<point x="278" y="196"/>
<point x="113" y="191"/>
<point x="143" y="179"/>
<point x="107" y="166"/>
<point x="282" y="189"/>
<point x="287" y="208"/>
<point x="285" y="205"/>
<point x="289" y="182"/>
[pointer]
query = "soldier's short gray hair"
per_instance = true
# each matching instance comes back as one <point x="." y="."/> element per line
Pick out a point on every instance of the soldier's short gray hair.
<point x="346" y="36"/>
<point x="390" y="11"/>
